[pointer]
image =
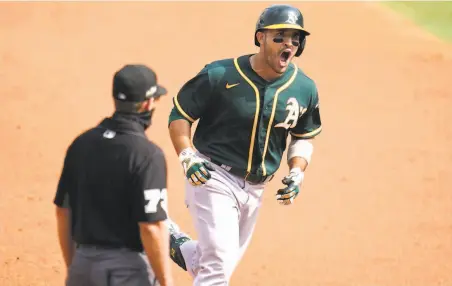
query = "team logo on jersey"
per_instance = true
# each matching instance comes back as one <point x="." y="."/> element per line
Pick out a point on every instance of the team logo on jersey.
<point x="295" y="111"/>
<point x="228" y="86"/>
<point x="292" y="18"/>
<point x="109" y="134"/>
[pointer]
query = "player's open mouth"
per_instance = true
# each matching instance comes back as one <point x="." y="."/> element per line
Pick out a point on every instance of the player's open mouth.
<point x="284" y="57"/>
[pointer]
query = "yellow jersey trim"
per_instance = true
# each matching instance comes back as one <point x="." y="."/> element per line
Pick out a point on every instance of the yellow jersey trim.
<point x="272" y="116"/>
<point x="256" y="114"/>
<point x="309" y="134"/>
<point x="181" y="111"/>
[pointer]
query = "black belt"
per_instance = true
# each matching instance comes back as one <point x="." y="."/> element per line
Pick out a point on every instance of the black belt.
<point x="104" y="247"/>
<point x="249" y="177"/>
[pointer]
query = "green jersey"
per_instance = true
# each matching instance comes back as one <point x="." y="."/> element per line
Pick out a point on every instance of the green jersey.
<point x="244" y="120"/>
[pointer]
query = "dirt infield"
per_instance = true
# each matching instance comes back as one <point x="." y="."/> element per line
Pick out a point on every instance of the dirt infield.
<point x="376" y="208"/>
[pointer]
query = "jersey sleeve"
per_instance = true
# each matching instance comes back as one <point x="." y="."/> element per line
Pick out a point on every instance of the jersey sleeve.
<point x="149" y="190"/>
<point x="309" y="124"/>
<point x="65" y="182"/>
<point x="192" y="99"/>
<point x="175" y="115"/>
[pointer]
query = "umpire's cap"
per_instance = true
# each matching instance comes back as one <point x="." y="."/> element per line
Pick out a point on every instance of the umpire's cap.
<point x="136" y="83"/>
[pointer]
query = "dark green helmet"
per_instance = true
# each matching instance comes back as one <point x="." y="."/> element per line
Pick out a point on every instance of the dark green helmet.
<point x="277" y="17"/>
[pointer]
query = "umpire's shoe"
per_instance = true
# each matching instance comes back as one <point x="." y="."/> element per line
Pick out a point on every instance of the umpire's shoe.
<point x="177" y="238"/>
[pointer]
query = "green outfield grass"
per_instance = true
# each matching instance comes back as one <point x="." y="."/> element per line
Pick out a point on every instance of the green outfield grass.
<point x="434" y="16"/>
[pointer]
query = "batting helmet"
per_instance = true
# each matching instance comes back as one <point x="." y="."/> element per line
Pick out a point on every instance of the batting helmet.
<point x="277" y="17"/>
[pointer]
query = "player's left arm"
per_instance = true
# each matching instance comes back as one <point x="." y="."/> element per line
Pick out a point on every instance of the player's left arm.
<point x="300" y="150"/>
<point x="150" y="210"/>
<point x="63" y="213"/>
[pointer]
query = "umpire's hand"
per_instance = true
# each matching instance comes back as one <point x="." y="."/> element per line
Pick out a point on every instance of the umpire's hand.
<point x="287" y="195"/>
<point x="196" y="169"/>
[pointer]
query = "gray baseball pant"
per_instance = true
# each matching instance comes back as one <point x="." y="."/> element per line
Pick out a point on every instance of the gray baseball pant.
<point x="110" y="267"/>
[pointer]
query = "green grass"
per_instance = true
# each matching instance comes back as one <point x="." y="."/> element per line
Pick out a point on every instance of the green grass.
<point x="434" y="16"/>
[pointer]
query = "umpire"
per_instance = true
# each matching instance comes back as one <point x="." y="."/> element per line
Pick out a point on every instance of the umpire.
<point x="111" y="196"/>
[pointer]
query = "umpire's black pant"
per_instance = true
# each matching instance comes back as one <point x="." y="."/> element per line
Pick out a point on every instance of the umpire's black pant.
<point x="93" y="266"/>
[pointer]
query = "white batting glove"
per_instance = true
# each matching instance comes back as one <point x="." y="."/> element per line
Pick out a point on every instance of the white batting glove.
<point x="196" y="169"/>
<point x="287" y="195"/>
<point x="296" y="176"/>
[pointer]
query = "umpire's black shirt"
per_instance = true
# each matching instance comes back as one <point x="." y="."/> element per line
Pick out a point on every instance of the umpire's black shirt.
<point x="113" y="178"/>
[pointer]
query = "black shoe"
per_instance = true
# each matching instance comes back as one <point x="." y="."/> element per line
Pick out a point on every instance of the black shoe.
<point x="177" y="238"/>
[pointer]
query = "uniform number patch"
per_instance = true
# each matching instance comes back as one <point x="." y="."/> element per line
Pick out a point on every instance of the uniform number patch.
<point x="154" y="196"/>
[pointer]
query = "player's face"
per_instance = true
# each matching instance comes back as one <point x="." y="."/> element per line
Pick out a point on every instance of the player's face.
<point x="280" y="47"/>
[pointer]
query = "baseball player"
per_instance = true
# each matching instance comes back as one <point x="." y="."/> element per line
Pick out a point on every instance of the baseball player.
<point x="111" y="196"/>
<point x="246" y="107"/>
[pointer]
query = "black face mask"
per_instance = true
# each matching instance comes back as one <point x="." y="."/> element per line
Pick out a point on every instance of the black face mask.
<point x="145" y="118"/>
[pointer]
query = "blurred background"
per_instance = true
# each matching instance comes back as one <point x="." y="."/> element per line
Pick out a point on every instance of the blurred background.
<point x="376" y="206"/>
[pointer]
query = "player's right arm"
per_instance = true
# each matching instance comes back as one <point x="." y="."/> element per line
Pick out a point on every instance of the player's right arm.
<point x="180" y="133"/>
<point x="189" y="105"/>
<point x="150" y="210"/>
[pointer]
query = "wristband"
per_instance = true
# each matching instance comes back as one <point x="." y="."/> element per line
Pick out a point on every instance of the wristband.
<point x="298" y="175"/>
<point x="187" y="152"/>
<point x="296" y="170"/>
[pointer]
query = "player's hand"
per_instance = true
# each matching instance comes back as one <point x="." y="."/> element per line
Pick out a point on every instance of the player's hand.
<point x="287" y="195"/>
<point x="196" y="169"/>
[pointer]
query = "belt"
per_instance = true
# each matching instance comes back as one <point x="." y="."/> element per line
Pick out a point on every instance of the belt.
<point x="249" y="177"/>
<point x="103" y="247"/>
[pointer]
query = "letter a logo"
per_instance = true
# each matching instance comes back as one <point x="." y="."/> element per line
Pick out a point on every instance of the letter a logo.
<point x="292" y="117"/>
